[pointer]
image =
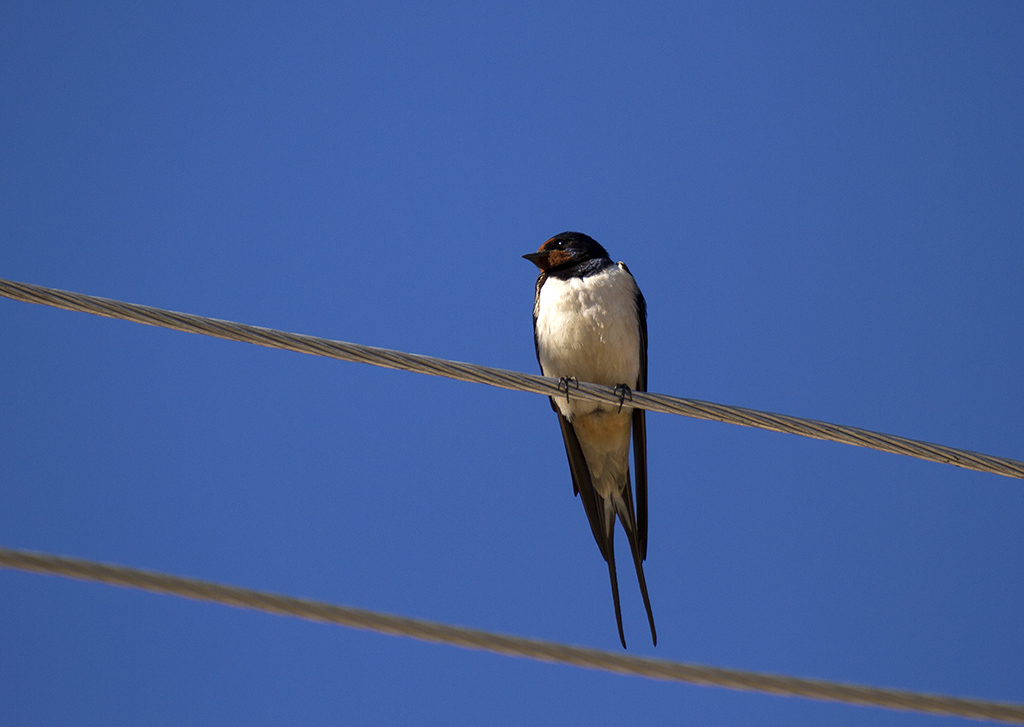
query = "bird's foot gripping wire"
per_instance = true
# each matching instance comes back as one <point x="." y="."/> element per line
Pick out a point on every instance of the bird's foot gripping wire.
<point x="563" y="383"/>
<point x="623" y="391"/>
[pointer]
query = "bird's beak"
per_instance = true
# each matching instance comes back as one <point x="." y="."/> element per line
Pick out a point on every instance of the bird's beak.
<point x="539" y="258"/>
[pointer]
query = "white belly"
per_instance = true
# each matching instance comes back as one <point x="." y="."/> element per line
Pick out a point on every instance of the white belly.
<point x="589" y="328"/>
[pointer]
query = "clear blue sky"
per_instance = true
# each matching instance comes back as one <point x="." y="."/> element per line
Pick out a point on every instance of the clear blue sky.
<point x="823" y="204"/>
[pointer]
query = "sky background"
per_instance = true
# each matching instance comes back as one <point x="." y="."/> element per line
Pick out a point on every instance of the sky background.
<point x="822" y="203"/>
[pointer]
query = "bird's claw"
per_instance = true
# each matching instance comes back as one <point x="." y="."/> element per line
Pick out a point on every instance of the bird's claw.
<point x="623" y="391"/>
<point x="563" y="383"/>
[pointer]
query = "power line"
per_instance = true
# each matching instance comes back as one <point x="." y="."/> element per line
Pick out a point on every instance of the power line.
<point x="505" y="379"/>
<point x="469" y="638"/>
<point x="511" y="645"/>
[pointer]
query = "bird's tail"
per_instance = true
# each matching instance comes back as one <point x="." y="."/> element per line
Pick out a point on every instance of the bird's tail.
<point x="624" y="509"/>
<point x="614" y="579"/>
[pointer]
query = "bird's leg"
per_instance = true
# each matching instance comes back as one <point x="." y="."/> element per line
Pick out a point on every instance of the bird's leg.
<point x="623" y="391"/>
<point x="563" y="383"/>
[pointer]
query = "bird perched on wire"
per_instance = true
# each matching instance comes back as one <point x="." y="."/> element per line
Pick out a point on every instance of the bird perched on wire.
<point x="590" y="324"/>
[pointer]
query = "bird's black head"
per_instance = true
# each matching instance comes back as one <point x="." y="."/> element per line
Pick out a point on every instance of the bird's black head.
<point x="567" y="250"/>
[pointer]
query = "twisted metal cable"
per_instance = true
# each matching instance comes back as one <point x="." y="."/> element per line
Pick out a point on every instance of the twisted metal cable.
<point x="510" y="645"/>
<point x="505" y="379"/>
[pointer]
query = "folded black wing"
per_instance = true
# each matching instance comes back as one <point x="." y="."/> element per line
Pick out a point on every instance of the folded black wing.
<point x="640" y="432"/>
<point x="584" y="487"/>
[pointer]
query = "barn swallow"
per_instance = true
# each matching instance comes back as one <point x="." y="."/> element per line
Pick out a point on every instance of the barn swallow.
<point x="590" y="324"/>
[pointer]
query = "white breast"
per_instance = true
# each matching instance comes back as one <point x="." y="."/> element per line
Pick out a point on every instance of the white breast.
<point x="589" y="328"/>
